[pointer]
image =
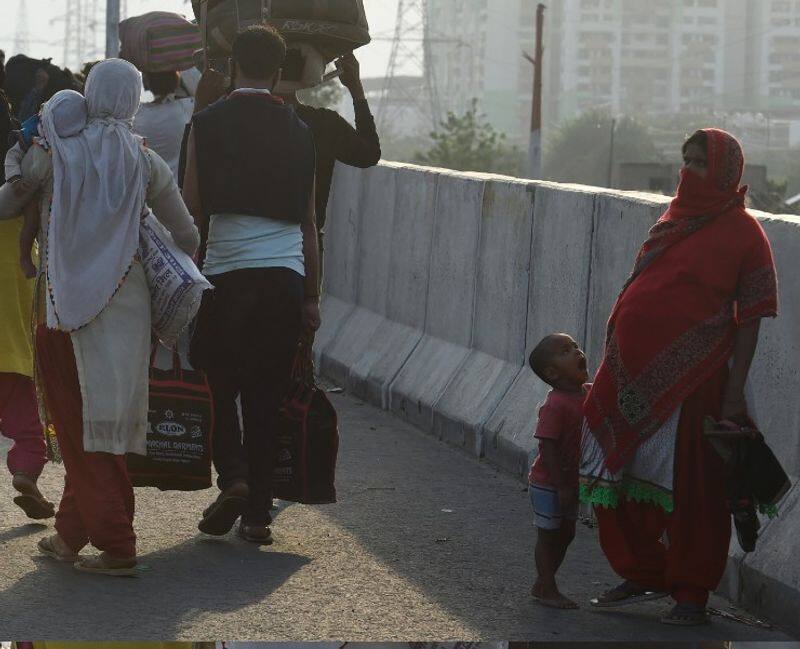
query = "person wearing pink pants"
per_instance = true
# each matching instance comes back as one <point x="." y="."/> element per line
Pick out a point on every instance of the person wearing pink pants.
<point x="19" y="422"/>
<point x="19" y="409"/>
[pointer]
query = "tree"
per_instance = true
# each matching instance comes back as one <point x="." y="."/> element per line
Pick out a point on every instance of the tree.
<point x="325" y="95"/>
<point x="770" y="198"/>
<point x="469" y="143"/>
<point x="578" y="152"/>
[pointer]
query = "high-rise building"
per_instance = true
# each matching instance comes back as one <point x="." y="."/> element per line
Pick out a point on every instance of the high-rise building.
<point x="773" y="78"/>
<point x="476" y="53"/>
<point x="633" y="57"/>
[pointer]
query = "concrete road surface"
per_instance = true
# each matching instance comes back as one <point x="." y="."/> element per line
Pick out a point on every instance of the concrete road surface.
<point x="425" y="544"/>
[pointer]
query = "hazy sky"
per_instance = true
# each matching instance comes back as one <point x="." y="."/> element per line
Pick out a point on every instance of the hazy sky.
<point x="46" y="31"/>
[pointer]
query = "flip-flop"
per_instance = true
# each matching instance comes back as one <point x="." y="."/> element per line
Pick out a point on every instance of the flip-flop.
<point x="35" y="508"/>
<point x="220" y="518"/>
<point x="686" y="615"/>
<point x="629" y="593"/>
<point x="45" y="546"/>
<point x="101" y="566"/>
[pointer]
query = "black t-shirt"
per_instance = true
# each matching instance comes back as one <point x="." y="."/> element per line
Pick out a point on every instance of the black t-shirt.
<point x="336" y="139"/>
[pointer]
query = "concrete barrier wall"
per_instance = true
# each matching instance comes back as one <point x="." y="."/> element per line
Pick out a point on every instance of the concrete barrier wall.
<point x="341" y="253"/>
<point x="557" y="299"/>
<point x="439" y="283"/>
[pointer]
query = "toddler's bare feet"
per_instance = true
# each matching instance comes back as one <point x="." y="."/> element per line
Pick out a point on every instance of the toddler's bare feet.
<point x="552" y="598"/>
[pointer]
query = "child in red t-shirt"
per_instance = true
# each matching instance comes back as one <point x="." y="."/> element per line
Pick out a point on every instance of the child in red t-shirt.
<point x="559" y="362"/>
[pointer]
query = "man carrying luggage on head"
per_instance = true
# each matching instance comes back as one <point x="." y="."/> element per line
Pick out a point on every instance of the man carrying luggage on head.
<point x="335" y="139"/>
<point x="250" y="179"/>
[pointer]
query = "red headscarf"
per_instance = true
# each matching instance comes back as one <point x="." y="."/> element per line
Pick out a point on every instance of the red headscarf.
<point x="705" y="266"/>
<point x="698" y="200"/>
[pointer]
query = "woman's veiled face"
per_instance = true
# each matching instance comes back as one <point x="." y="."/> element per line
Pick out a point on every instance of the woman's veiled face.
<point x="695" y="159"/>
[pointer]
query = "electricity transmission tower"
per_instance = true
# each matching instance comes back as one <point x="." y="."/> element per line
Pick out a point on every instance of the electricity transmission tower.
<point x="21" y="38"/>
<point x="411" y="55"/>
<point x="83" y="28"/>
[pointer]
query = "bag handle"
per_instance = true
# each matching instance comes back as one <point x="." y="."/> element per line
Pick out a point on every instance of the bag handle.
<point x="303" y="367"/>
<point x="177" y="366"/>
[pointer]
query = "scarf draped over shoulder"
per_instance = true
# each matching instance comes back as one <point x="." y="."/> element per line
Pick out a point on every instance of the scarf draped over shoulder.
<point x="100" y="177"/>
<point x="706" y="269"/>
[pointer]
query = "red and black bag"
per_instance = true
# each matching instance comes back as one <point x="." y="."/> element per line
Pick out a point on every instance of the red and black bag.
<point x="307" y="439"/>
<point x="181" y="420"/>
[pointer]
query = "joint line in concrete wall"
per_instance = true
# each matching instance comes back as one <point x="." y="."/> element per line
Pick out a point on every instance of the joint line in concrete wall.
<point x="531" y="279"/>
<point x="393" y="380"/>
<point x="437" y="182"/>
<point x="362" y="190"/>
<point x="585" y="333"/>
<point x="477" y="257"/>
<point x="524" y="361"/>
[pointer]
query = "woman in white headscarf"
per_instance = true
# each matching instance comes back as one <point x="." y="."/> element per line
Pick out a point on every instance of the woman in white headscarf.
<point x="93" y="340"/>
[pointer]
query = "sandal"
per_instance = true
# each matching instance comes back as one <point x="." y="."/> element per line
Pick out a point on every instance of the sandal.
<point x="625" y="594"/>
<point x="255" y="533"/>
<point x="48" y="548"/>
<point x="106" y="565"/>
<point x="684" y="614"/>
<point x="30" y="499"/>
<point x="36" y="509"/>
<point x="220" y="517"/>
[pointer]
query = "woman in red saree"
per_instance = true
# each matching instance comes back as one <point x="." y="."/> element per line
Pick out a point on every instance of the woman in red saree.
<point x="679" y="345"/>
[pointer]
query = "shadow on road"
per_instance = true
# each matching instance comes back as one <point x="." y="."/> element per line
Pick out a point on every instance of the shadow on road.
<point x="177" y="584"/>
<point x="462" y="533"/>
<point x="21" y="532"/>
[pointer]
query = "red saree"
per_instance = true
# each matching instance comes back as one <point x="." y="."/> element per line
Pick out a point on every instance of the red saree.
<point x="706" y="268"/>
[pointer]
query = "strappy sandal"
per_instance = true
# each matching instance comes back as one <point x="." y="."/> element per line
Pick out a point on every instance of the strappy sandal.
<point x="625" y="594"/>
<point x="106" y="565"/>
<point x="220" y="517"/>
<point x="686" y="615"/>
<point x="48" y="548"/>
<point x="255" y="534"/>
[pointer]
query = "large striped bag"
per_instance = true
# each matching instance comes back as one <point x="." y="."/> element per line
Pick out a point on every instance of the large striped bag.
<point x="159" y="41"/>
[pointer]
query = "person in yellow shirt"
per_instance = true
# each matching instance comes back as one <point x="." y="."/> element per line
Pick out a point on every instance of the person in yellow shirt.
<point x="19" y="410"/>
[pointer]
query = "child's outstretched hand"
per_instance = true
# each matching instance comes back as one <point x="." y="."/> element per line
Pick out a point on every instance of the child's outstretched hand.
<point x="567" y="497"/>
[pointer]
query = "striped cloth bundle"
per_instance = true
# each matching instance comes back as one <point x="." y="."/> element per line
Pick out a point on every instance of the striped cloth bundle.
<point x="159" y="41"/>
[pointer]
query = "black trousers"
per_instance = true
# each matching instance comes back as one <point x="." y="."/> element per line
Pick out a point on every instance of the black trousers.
<point x="246" y="339"/>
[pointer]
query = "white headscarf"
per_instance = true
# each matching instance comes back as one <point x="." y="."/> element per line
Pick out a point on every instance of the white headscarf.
<point x="100" y="177"/>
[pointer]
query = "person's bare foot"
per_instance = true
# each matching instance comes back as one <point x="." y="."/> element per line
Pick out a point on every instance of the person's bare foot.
<point x="105" y="564"/>
<point x="552" y="598"/>
<point x="56" y="548"/>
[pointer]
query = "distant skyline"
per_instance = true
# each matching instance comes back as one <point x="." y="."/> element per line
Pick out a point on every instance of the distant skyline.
<point x="45" y="30"/>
